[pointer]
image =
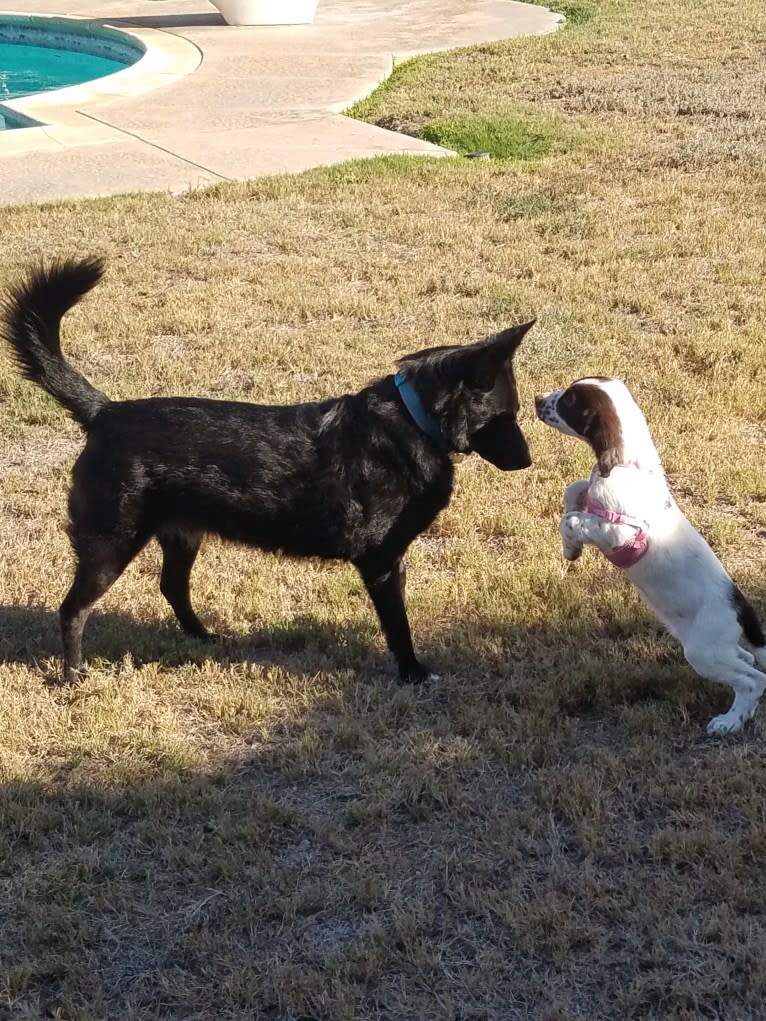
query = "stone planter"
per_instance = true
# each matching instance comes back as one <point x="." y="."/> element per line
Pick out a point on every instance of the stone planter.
<point x="266" y="12"/>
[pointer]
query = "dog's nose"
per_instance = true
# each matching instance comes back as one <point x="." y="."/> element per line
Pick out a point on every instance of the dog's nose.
<point x="539" y="399"/>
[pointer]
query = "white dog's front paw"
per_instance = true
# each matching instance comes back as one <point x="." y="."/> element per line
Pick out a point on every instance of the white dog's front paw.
<point x="572" y="553"/>
<point x="570" y="530"/>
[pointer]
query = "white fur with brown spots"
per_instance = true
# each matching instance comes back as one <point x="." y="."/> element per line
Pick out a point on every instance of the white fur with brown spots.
<point x="677" y="574"/>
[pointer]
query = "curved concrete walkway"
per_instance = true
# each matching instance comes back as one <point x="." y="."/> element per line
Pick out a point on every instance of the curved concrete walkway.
<point x="248" y="101"/>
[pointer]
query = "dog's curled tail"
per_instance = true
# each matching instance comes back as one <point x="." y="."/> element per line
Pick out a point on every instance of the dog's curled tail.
<point x="30" y="319"/>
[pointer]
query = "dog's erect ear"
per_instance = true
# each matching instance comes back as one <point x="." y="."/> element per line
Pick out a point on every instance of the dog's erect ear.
<point x="512" y="337"/>
<point x="502" y="443"/>
<point x="495" y="352"/>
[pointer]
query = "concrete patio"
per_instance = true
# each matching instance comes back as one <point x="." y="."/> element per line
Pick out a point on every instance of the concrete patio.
<point x="222" y="103"/>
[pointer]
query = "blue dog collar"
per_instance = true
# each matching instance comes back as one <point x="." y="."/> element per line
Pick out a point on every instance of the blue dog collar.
<point x="420" y="416"/>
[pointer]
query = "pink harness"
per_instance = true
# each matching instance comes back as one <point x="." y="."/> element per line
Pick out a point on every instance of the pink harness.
<point x="630" y="552"/>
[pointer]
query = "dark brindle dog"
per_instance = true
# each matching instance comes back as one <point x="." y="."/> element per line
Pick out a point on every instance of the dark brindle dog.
<point x="353" y="478"/>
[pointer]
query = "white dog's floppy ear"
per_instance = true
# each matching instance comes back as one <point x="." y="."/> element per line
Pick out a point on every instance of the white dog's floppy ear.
<point x="588" y="411"/>
<point x="602" y="429"/>
<point x="608" y="460"/>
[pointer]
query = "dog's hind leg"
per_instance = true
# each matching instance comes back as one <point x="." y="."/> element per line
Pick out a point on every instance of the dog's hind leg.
<point x="748" y="684"/>
<point x="718" y="657"/>
<point x="98" y="567"/>
<point x="386" y="589"/>
<point x="179" y="551"/>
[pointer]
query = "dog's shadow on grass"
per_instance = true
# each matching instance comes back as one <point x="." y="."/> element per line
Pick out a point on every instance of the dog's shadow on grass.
<point x="495" y="656"/>
<point x="31" y="635"/>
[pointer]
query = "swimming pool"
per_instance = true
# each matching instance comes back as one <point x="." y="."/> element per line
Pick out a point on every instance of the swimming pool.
<point x="25" y="69"/>
<point x="39" y="54"/>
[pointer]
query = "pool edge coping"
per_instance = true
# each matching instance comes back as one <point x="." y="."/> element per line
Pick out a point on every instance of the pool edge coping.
<point x="66" y="120"/>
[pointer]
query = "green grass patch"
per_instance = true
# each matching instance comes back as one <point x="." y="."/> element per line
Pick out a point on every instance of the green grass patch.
<point x="503" y="137"/>
<point x="576" y="13"/>
<point x="580" y="12"/>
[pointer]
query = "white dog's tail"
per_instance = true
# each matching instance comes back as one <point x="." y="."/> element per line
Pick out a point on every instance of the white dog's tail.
<point x="751" y="626"/>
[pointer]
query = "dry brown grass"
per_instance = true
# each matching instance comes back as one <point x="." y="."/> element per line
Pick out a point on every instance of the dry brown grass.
<point x="277" y="830"/>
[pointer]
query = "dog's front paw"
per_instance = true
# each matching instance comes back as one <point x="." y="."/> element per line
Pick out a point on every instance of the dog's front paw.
<point x="69" y="677"/>
<point x="214" y="638"/>
<point x="570" y="528"/>
<point x="417" y="674"/>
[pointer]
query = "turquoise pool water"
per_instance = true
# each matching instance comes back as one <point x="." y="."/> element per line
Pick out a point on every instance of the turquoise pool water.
<point x="38" y="54"/>
<point x="25" y="70"/>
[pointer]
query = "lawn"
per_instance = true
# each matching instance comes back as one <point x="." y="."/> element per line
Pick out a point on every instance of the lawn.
<point x="276" y="829"/>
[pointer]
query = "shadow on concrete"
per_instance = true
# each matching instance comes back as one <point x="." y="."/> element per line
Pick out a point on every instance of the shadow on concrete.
<point x="161" y="21"/>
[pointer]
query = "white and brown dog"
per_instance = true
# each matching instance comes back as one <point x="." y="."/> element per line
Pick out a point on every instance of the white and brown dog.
<point x="627" y="511"/>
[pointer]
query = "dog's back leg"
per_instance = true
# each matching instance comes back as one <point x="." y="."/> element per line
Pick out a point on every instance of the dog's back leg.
<point x="100" y="563"/>
<point x="748" y="684"/>
<point x="179" y="551"/>
<point x="712" y="650"/>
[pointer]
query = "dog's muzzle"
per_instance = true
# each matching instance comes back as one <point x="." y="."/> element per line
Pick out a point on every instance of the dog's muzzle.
<point x="546" y="407"/>
<point x="502" y="443"/>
